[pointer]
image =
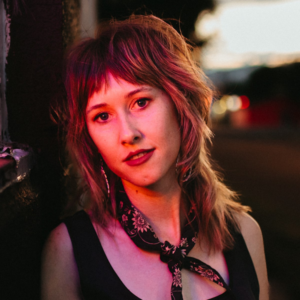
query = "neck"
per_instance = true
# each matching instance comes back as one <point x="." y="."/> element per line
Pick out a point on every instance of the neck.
<point x="161" y="207"/>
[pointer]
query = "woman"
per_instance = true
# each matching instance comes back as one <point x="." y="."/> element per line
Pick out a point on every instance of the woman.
<point x="160" y="224"/>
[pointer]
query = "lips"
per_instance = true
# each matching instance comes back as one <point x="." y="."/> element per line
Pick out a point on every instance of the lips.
<point x="138" y="157"/>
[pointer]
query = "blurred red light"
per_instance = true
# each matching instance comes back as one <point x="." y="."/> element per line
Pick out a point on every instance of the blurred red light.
<point x="245" y="102"/>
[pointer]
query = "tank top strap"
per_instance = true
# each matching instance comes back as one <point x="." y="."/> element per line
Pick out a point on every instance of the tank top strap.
<point x="242" y="275"/>
<point x="97" y="278"/>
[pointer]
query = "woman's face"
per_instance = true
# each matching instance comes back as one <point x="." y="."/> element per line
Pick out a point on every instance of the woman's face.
<point x="136" y="131"/>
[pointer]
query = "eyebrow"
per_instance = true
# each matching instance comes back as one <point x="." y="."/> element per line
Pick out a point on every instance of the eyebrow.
<point x="141" y="89"/>
<point x="95" y="107"/>
<point x="130" y="94"/>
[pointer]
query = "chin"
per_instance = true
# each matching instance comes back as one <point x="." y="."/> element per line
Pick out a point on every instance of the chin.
<point x="151" y="183"/>
<point x="142" y="183"/>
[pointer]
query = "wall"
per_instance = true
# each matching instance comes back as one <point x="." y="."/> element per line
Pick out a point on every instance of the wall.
<point x="39" y="31"/>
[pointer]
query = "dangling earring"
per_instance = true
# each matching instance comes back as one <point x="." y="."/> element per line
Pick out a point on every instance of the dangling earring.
<point x="187" y="176"/>
<point x="176" y="165"/>
<point x="105" y="177"/>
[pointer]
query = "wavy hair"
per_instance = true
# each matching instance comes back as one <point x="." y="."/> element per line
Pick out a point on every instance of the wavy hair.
<point x="147" y="50"/>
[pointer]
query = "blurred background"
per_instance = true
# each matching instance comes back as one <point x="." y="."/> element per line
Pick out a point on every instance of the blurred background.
<point x="250" y="51"/>
<point x="252" y="56"/>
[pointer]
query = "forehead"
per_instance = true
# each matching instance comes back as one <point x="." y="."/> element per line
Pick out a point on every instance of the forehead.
<point x="115" y="88"/>
<point x="113" y="82"/>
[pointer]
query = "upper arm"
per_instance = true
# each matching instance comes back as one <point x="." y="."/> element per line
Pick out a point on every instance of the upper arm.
<point x="253" y="237"/>
<point x="59" y="275"/>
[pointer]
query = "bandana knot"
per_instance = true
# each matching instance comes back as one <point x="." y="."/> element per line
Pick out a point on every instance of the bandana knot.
<point x="170" y="253"/>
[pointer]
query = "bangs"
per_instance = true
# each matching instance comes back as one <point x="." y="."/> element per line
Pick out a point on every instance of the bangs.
<point x="131" y="53"/>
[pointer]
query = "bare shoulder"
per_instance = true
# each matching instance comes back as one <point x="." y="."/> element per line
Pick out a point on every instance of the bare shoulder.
<point x="59" y="275"/>
<point x="249" y="228"/>
<point x="254" y="240"/>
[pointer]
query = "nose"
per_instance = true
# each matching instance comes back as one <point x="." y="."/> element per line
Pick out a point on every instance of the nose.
<point x="129" y="131"/>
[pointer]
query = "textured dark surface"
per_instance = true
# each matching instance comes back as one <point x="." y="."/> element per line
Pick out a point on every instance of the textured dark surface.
<point x="20" y="234"/>
<point x="34" y="71"/>
<point x="31" y="208"/>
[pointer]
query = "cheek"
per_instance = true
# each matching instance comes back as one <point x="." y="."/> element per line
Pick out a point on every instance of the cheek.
<point x="101" y="138"/>
<point x="172" y="128"/>
<point x="170" y="137"/>
<point x="107" y="148"/>
<point x="174" y="139"/>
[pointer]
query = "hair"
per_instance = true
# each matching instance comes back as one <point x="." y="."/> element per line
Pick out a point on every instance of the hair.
<point x="146" y="50"/>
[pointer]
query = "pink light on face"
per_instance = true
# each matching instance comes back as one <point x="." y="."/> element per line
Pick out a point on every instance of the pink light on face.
<point x="245" y="102"/>
<point x="136" y="130"/>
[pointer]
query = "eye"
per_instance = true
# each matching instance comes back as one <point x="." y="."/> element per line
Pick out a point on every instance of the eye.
<point x="142" y="102"/>
<point x="102" y="116"/>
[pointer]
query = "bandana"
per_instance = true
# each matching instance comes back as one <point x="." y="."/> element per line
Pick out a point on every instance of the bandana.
<point x="143" y="235"/>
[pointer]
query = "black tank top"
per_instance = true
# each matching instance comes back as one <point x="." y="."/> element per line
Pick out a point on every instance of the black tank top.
<point x="99" y="280"/>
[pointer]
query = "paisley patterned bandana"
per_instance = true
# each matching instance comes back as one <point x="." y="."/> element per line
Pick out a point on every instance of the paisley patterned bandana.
<point x="142" y="234"/>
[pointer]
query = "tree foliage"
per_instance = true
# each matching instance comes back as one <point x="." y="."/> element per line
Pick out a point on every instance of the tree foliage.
<point x="183" y="13"/>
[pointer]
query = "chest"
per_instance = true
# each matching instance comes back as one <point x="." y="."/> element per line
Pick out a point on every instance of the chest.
<point x="147" y="277"/>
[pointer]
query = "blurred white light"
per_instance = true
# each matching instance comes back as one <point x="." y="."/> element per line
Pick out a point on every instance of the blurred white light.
<point x="233" y="103"/>
<point x="219" y="107"/>
<point x="208" y="26"/>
